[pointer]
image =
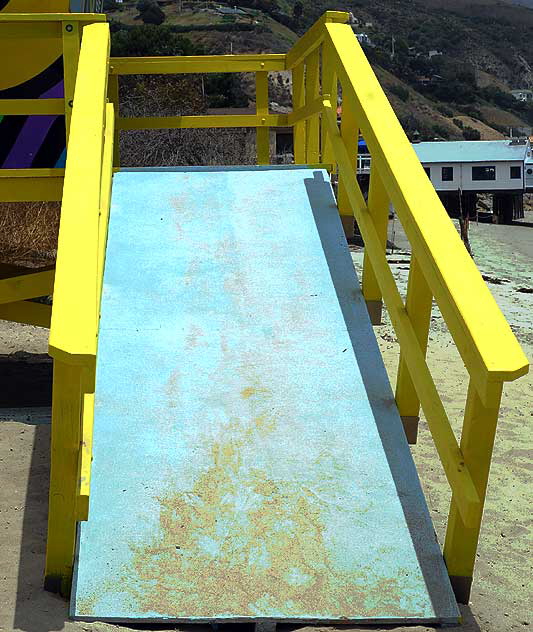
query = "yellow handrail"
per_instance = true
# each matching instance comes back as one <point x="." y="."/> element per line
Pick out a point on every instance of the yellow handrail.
<point x="440" y="268"/>
<point x="77" y="293"/>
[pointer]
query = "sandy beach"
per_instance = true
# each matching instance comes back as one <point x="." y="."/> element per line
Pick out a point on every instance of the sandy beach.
<point x="502" y="596"/>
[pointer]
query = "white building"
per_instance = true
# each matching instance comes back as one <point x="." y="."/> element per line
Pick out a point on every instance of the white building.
<point x="477" y="166"/>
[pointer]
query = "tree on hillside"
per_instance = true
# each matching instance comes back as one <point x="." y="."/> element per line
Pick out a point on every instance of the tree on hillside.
<point x="298" y="10"/>
<point x="150" y="12"/>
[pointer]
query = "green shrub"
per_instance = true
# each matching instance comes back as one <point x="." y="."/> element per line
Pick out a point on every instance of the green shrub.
<point x="469" y="133"/>
<point x="459" y="123"/>
<point x="400" y="91"/>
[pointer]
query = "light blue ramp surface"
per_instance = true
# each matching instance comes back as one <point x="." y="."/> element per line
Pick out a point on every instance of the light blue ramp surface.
<point x="249" y="461"/>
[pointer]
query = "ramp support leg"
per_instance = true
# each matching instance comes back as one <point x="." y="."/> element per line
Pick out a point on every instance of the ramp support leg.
<point x="418" y="306"/>
<point x="65" y="445"/>
<point x="378" y="206"/>
<point x="477" y="442"/>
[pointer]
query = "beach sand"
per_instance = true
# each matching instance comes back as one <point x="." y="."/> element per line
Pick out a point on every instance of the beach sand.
<point x="501" y="598"/>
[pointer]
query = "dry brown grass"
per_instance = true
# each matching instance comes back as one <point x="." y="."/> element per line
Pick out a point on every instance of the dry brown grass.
<point x="28" y="233"/>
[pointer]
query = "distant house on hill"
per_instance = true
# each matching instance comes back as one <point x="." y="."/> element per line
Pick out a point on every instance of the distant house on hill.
<point x="230" y="11"/>
<point x="522" y="95"/>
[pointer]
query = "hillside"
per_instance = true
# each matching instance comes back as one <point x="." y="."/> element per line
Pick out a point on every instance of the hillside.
<point x="453" y="66"/>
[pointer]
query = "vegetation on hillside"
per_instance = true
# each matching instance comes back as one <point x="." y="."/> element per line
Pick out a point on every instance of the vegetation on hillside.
<point x="452" y="64"/>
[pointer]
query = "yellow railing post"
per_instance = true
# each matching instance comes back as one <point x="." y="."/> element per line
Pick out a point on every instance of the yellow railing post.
<point x="71" y="53"/>
<point x="312" y="90"/>
<point x="378" y="207"/>
<point x="477" y="441"/>
<point x="65" y="446"/>
<point x="114" y="98"/>
<point x="350" y="136"/>
<point x="418" y="305"/>
<point x="298" y="102"/>
<point x="329" y="87"/>
<point x="261" y="104"/>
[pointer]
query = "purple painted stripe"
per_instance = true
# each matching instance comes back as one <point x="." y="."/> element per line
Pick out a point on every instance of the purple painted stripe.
<point x="32" y="134"/>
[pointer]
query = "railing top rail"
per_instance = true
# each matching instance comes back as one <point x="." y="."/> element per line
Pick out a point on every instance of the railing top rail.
<point x="314" y="36"/>
<point x="73" y="332"/>
<point x="485" y="341"/>
<point x="196" y="64"/>
<point x="52" y="17"/>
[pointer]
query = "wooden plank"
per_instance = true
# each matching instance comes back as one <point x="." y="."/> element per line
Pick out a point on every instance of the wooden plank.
<point x="196" y="64"/>
<point x="27" y="312"/>
<point x="477" y="441"/>
<point x="418" y="305"/>
<point x="262" y="107"/>
<point x="201" y="122"/>
<point x="24" y="286"/>
<point x="273" y="487"/>
<point x="74" y="319"/>
<point x="312" y="90"/>
<point x="31" y="106"/>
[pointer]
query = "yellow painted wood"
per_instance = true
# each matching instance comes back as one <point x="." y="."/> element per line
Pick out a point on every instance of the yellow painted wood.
<point x="65" y="444"/>
<point x="24" y="286"/>
<point x="31" y="106"/>
<point x="329" y="87"/>
<point x="27" y="312"/>
<point x="86" y="457"/>
<point x="477" y="442"/>
<point x="262" y="104"/>
<point x="298" y="105"/>
<point x="31" y="185"/>
<point x="485" y="341"/>
<point x="74" y="317"/>
<point x="89" y="18"/>
<point x="305" y="112"/>
<point x="105" y="194"/>
<point x="312" y="90"/>
<point x="71" y="51"/>
<point x="378" y="207"/>
<point x="350" y="137"/>
<point x="201" y="64"/>
<point x="313" y="37"/>
<point x="113" y="96"/>
<point x="452" y="459"/>
<point x="200" y="122"/>
<point x="418" y="305"/>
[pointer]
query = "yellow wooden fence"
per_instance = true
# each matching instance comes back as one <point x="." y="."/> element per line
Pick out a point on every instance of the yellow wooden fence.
<point x="326" y="58"/>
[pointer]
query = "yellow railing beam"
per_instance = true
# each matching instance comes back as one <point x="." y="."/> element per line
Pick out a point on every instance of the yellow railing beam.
<point x="313" y="37"/>
<point x="307" y="111"/>
<point x="27" y="312"/>
<point x="52" y="17"/>
<point x="483" y="337"/>
<point x="25" y="286"/>
<point x="202" y="122"/>
<point x="196" y="64"/>
<point x="74" y="318"/>
<point x="29" y="107"/>
<point x="453" y="462"/>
